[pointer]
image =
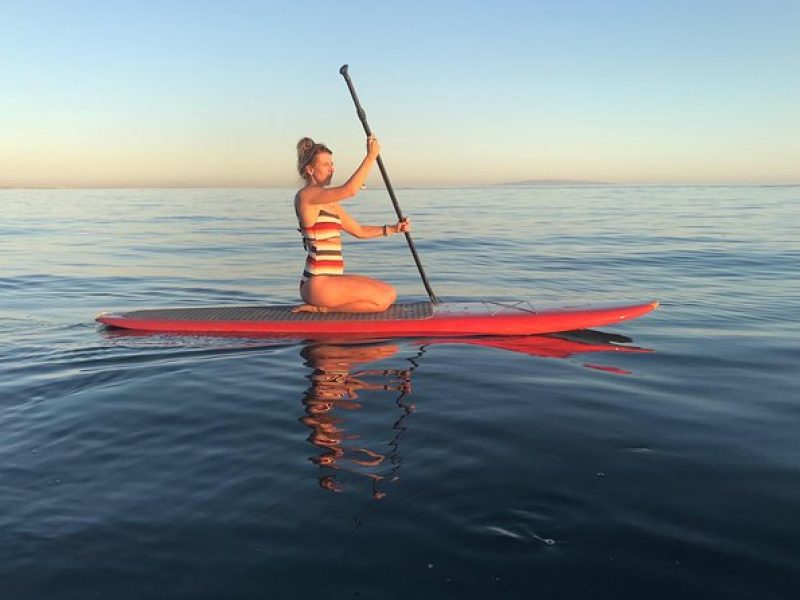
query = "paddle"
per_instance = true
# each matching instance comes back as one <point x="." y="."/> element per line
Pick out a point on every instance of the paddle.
<point x="363" y="117"/>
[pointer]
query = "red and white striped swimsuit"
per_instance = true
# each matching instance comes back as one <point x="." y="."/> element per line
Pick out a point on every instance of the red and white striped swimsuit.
<point x="323" y="242"/>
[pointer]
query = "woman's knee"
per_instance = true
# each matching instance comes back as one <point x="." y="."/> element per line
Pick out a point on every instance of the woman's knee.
<point x="388" y="297"/>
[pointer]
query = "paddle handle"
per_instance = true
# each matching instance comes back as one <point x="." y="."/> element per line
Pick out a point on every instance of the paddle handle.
<point x="362" y="116"/>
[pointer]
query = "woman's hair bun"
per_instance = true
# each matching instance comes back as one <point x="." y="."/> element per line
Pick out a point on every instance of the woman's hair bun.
<point x="304" y="145"/>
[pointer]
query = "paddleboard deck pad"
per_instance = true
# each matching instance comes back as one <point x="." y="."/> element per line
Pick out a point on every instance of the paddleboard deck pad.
<point x="400" y="320"/>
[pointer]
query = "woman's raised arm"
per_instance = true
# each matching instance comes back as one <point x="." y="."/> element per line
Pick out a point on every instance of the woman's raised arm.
<point x="325" y="195"/>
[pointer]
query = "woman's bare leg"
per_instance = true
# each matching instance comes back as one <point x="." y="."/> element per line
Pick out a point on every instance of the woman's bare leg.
<point x="346" y="293"/>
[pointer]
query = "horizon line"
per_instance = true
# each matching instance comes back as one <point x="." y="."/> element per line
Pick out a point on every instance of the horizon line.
<point x="518" y="184"/>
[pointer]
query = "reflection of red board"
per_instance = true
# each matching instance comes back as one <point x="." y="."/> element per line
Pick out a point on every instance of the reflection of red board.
<point x="540" y="345"/>
<point x="560" y="345"/>
<point x="401" y="320"/>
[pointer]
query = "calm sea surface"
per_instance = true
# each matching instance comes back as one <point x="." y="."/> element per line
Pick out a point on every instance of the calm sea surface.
<point x="655" y="459"/>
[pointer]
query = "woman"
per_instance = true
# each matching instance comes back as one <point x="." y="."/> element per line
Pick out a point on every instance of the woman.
<point x="324" y="287"/>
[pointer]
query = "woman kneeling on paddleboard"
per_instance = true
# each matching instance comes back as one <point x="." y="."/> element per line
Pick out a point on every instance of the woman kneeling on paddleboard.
<point x="324" y="287"/>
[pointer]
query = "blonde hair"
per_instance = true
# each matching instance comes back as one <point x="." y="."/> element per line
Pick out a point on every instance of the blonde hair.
<point x="307" y="150"/>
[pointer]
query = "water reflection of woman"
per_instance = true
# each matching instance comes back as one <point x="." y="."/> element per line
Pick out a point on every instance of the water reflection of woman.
<point x="335" y="386"/>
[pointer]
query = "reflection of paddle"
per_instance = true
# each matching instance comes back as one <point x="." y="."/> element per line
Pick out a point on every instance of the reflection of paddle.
<point x="363" y="117"/>
<point x="593" y="336"/>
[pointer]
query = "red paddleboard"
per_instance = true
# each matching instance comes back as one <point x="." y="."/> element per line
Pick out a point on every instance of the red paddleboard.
<point x="400" y="320"/>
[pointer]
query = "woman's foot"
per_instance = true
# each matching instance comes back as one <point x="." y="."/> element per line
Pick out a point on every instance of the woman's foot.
<point x="310" y="308"/>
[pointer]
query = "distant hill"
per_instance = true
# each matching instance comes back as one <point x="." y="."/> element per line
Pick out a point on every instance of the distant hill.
<point x="537" y="182"/>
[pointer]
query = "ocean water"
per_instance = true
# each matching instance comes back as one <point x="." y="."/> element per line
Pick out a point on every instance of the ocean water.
<point x="659" y="458"/>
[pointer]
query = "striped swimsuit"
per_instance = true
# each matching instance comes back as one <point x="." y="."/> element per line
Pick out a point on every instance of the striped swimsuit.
<point x="323" y="242"/>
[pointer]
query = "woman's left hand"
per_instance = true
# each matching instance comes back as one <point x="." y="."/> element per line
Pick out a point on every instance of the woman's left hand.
<point x="402" y="226"/>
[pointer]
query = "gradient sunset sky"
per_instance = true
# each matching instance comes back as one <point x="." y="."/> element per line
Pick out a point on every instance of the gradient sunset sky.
<point x="217" y="93"/>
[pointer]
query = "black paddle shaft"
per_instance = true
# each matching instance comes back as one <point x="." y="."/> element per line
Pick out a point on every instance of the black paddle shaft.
<point x="363" y="118"/>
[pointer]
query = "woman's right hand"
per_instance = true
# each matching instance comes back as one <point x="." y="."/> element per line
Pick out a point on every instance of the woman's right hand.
<point x="373" y="146"/>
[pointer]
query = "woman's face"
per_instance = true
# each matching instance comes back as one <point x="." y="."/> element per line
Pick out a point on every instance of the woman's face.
<point x="321" y="170"/>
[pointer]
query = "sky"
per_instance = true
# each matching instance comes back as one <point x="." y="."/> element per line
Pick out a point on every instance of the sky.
<point x="216" y="93"/>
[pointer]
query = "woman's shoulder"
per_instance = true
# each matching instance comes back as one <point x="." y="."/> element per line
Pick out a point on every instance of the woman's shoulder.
<point x="306" y="195"/>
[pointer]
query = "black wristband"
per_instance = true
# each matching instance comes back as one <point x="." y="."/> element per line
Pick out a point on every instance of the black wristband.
<point x="385" y="233"/>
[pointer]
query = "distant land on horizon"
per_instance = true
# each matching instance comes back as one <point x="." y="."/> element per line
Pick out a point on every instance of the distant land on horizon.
<point x="535" y="182"/>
